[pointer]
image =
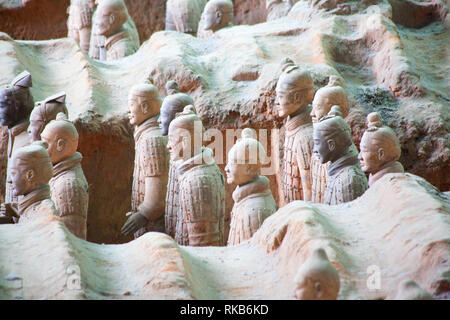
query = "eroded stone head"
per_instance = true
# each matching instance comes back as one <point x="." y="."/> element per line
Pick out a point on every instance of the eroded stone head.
<point x="317" y="278"/>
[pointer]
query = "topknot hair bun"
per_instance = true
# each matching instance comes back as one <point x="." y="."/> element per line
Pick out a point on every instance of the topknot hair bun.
<point x="374" y="121"/>
<point x="287" y="65"/>
<point x="335" y="81"/>
<point x="248" y="133"/>
<point x="335" y="111"/>
<point x="189" y="109"/>
<point x="61" y="116"/>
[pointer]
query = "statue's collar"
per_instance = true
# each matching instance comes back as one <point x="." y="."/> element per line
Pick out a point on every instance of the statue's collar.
<point x="34" y="196"/>
<point x="114" y="38"/>
<point x="259" y="185"/>
<point x="67" y="164"/>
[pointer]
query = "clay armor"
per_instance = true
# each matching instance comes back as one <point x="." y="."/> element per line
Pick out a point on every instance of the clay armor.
<point x="38" y="209"/>
<point x="347" y="183"/>
<point x="80" y="16"/>
<point x="254" y="202"/>
<point x="298" y="147"/>
<point x="172" y="200"/>
<point x="119" y="46"/>
<point x="18" y="137"/>
<point x="69" y="190"/>
<point x="184" y="15"/>
<point x="151" y="160"/>
<point x="318" y="179"/>
<point x="36" y="204"/>
<point x="202" y="203"/>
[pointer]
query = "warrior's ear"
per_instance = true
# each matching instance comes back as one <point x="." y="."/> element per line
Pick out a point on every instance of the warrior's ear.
<point x="23" y="80"/>
<point x="29" y="175"/>
<point x="112" y="18"/>
<point x="219" y="16"/>
<point x="380" y="154"/>
<point x="331" y="144"/>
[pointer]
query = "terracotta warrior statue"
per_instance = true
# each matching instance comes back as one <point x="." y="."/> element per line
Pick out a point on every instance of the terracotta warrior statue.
<point x="69" y="187"/>
<point x="253" y="200"/>
<point x="79" y="22"/>
<point x="409" y="290"/>
<point x="184" y="15"/>
<point x="201" y="211"/>
<point x="333" y="142"/>
<point x="30" y="170"/>
<point x="172" y="104"/>
<point x="278" y="8"/>
<point x="317" y="278"/>
<point x="44" y="112"/>
<point x="16" y="103"/>
<point x="332" y="94"/>
<point x="110" y="21"/>
<point x="151" y="162"/>
<point x="294" y="93"/>
<point x="380" y="150"/>
<point x="218" y="14"/>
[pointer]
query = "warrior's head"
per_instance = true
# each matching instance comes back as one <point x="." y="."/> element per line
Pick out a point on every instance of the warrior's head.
<point x="143" y="102"/>
<point x="61" y="138"/>
<point x="44" y="112"/>
<point x="317" y="278"/>
<point x="185" y="134"/>
<point x="110" y="17"/>
<point x="172" y="104"/>
<point x="379" y="145"/>
<point x="218" y="14"/>
<point x="330" y="95"/>
<point x="245" y="159"/>
<point x="16" y="101"/>
<point x="30" y="168"/>
<point x="332" y="136"/>
<point x="294" y="90"/>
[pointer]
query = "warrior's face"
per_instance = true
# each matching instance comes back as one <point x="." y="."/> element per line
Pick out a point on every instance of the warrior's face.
<point x="238" y="173"/>
<point x="165" y="118"/>
<point x="8" y="114"/>
<point x="320" y="107"/>
<point x="175" y="145"/>
<point x="22" y="178"/>
<point x="138" y="109"/>
<point x="35" y="128"/>
<point x="323" y="147"/>
<point x="371" y="156"/>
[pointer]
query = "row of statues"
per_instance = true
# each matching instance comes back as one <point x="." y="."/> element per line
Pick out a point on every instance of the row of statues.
<point x="177" y="186"/>
<point x="43" y="162"/>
